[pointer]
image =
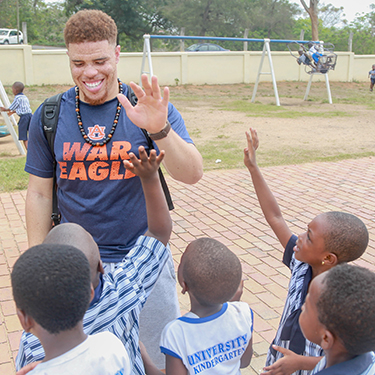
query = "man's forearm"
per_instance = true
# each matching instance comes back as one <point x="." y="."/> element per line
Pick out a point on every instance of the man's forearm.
<point x="182" y="160"/>
<point x="38" y="217"/>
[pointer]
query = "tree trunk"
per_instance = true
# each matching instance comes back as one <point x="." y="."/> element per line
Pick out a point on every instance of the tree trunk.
<point x="313" y="13"/>
<point x="206" y="18"/>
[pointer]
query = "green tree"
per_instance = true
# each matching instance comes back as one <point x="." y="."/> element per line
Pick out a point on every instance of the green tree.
<point x="363" y="28"/>
<point x="220" y="18"/>
<point x="7" y="13"/>
<point x="133" y="18"/>
<point x="45" y="22"/>
<point x="330" y="16"/>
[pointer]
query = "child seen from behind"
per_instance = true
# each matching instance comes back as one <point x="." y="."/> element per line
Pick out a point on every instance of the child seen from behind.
<point x="215" y="337"/>
<point x="52" y="291"/>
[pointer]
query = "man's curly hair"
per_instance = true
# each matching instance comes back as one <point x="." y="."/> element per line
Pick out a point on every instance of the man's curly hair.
<point x="346" y="307"/>
<point x="51" y="283"/>
<point x="90" y="25"/>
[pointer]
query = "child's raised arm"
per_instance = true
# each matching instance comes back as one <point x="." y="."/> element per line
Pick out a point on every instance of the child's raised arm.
<point x="146" y="168"/>
<point x="267" y="201"/>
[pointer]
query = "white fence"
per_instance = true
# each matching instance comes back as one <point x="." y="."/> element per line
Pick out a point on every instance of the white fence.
<point x="37" y="67"/>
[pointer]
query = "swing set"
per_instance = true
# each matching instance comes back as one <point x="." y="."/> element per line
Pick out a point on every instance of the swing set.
<point x="326" y="62"/>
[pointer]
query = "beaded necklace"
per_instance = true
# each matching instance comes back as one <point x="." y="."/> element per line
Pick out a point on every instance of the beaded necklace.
<point x="115" y="121"/>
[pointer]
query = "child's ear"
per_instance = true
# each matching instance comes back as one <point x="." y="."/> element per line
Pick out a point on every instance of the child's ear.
<point x="100" y="267"/>
<point x="330" y="260"/>
<point x="92" y="292"/>
<point x="27" y="322"/>
<point x="328" y="340"/>
<point x="184" y="287"/>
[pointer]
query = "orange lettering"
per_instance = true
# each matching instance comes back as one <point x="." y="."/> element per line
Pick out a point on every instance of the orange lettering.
<point x="120" y="150"/>
<point x="76" y="148"/>
<point x="98" y="153"/>
<point x="63" y="172"/>
<point x="128" y="174"/>
<point x="115" y="171"/>
<point x="97" y="174"/>
<point x="78" y="171"/>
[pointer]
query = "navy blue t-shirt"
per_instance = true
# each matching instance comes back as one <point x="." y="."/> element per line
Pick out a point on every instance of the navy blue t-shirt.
<point x="94" y="188"/>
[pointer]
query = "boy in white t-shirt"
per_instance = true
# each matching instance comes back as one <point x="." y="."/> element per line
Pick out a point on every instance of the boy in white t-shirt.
<point x="215" y="337"/>
<point x="52" y="290"/>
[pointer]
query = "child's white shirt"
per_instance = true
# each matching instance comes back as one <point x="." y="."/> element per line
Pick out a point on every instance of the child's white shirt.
<point x="100" y="354"/>
<point x="210" y="345"/>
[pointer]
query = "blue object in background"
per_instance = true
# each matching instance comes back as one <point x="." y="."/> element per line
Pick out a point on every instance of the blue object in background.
<point x="4" y="131"/>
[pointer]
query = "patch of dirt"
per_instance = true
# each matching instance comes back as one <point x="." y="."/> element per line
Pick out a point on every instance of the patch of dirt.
<point x="352" y="132"/>
<point x="331" y="135"/>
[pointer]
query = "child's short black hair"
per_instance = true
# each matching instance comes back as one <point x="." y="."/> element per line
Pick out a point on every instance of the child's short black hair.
<point x="51" y="283"/>
<point x="19" y="86"/>
<point x="212" y="272"/>
<point x="346" y="236"/>
<point x="346" y="307"/>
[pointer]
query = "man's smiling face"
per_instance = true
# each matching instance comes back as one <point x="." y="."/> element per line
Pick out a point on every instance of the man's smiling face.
<point x="94" y="70"/>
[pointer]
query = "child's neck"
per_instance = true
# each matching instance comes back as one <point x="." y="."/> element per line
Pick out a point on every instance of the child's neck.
<point x="203" y="311"/>
<point x="57" y="344"/>
<point x="333" y="356"/>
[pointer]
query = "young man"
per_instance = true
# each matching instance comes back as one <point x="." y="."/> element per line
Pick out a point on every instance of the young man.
<point x="94" y="134"/>
<point x="338" y="315"/>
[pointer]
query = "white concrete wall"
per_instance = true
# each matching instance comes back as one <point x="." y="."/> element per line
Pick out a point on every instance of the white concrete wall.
<point x="37" y="67"/>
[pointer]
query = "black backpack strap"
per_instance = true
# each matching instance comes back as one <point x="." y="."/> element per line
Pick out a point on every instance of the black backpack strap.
<point x="50" y="117"/>
<point x="133" y="101"/>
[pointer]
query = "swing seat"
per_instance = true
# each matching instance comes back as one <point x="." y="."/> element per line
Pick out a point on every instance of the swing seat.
<point x="4" y="131"/>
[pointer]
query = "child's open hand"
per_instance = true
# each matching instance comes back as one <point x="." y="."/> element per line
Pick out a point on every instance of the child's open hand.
<point x="285" y="365"/>
<point x="146" y="166"/>
<point x="252" y="145"/>
<point x="290" y="363"/>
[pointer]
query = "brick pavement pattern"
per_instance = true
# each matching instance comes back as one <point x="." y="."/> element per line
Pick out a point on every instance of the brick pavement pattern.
<point x="223" y="205"/>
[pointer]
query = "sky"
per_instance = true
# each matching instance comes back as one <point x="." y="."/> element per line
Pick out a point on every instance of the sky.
<point x="351" y="7"/>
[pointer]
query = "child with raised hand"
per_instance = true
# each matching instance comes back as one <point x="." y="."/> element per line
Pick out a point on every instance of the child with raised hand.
<point x="215" y="336"/>
<point x="331" y="238"/>
<point x="119" y="295"/>
<point x="52" y="290"/>
<point x="338" y="315"/>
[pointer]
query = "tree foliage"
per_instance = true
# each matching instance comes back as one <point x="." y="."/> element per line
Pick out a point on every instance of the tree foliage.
<point x="274" y="19"/>
<point x="44" y="21"/>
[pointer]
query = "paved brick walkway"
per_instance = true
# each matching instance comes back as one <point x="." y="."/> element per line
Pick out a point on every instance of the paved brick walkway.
<point x="223" y="206"/>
